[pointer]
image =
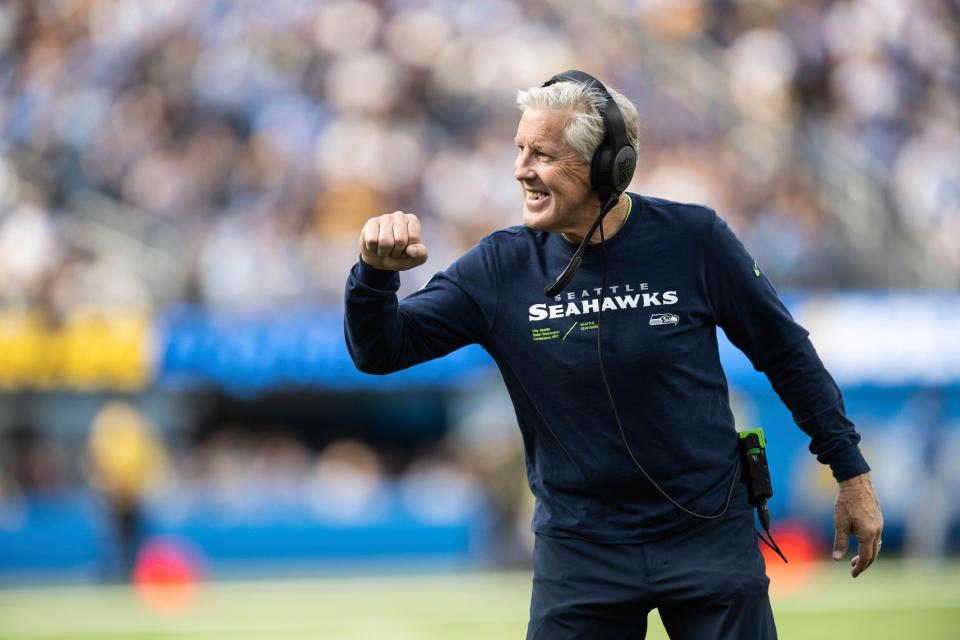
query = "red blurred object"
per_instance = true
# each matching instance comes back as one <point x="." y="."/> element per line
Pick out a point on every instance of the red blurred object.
<point x="166" y="573"/>
<point x="802" y="547"/>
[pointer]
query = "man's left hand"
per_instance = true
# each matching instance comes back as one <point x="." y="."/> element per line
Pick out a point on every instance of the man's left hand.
<point x="857" y="512"/>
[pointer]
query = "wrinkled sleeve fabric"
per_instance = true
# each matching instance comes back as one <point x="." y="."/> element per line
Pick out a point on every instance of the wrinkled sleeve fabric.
<point x="456" y="307"/>
<point x="747" y="308"/>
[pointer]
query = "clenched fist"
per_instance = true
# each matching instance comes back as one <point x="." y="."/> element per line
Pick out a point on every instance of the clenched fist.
<point x="392" y="242"/>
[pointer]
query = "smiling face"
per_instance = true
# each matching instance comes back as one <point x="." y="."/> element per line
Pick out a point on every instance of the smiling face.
<point x="555" y="183"/>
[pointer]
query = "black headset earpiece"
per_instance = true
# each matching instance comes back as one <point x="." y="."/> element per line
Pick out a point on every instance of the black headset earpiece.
<point x="614" y="161"/>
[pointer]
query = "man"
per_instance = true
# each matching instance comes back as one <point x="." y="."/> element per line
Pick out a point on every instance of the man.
<point x="638" y="506"/>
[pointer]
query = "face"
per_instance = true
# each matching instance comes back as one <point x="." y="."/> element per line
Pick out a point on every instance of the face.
<point x="554" y="181"/>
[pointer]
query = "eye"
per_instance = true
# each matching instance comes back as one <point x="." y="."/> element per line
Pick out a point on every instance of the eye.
<point x="535" y="152"/>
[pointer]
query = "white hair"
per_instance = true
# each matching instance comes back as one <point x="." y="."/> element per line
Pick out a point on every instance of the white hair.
<point x="582" y="103"/>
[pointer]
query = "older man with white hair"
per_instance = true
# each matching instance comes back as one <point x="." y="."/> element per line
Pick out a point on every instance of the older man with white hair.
<point x="631" y="449"/>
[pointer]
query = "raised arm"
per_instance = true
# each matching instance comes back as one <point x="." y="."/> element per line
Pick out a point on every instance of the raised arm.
<point x="455" y="308"/>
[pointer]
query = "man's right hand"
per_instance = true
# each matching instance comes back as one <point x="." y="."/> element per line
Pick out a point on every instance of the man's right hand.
<point x="391" y="242"/>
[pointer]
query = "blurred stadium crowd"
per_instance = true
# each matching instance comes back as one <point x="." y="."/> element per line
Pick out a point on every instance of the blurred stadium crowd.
<point x="228" y="152"/>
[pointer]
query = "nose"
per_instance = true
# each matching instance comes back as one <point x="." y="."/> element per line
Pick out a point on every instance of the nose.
<point x="522" y="169"/>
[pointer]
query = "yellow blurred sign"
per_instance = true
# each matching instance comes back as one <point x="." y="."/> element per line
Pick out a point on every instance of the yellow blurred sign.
<point x="92" y="349"/>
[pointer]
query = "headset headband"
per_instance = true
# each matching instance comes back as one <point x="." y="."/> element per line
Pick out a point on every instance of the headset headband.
<point x="614" y="161"/>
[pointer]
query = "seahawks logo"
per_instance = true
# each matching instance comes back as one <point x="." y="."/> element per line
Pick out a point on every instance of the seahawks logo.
<point x="664" y="318"/>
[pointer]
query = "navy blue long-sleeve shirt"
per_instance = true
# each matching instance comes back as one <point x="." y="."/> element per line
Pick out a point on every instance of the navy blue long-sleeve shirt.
<point x="675" y="272"/>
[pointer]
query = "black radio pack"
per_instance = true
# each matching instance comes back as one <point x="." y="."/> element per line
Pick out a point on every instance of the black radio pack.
<point x="756" y="476"/>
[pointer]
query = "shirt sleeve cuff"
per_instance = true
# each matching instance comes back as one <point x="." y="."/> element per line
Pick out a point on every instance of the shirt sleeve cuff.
<point x="377" y="278"/>
<point x="848" y="463"/>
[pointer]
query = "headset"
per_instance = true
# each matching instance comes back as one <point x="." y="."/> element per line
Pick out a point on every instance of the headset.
<point x="615" y="160"/>
<point x="611" y="170"/>
<point x="611" y="167"/>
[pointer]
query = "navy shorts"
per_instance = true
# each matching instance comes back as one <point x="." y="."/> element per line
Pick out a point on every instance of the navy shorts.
<point x="708" y="581"/>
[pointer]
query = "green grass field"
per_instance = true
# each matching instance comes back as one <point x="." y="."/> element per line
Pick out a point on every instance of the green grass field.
<point x="892" y="600"/>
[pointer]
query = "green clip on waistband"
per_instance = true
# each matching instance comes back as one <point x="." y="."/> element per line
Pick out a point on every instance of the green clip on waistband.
<point x="759" y="433"/>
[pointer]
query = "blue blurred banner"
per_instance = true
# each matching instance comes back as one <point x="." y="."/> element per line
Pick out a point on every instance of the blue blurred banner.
<point x="883" y="339"/>
<point x="296" y="347"/>
<point x="418" y="521"/>
<point x="872" y="338"/>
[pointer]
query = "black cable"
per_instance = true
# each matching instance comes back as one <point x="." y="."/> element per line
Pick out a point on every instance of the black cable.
<point x="772" y="544"/>
<point x="613" y="405"/>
